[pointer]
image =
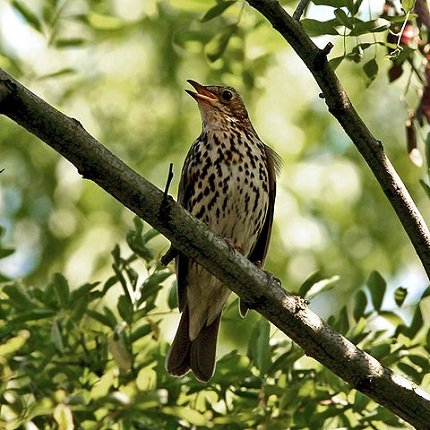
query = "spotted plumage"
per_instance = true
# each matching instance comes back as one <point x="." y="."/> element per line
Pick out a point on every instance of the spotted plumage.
<point x="229" y="182"/>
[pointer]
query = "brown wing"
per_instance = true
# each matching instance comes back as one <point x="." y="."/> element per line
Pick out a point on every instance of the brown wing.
<point x="259" y="252"/>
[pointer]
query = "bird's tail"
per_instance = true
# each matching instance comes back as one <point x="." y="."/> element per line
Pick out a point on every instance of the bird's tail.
<point x="197" y="355"/>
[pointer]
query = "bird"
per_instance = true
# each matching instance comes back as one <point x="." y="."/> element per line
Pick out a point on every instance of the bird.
<point x="228" y="181"/>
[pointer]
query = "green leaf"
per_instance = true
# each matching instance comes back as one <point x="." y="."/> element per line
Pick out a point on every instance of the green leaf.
<point x="172" y="298"/>
<point x="101" y="318"/>
<point x="393" y="318"/>
<point x="70" y="43"/>
<point x="62" y="72"/>
<point x="356" y="6"/>
<point x="411" y="372"/>
<point x="335" y="62"/>
<point x="366" y="27"/>
<point x="14" y="344"/>
<point x="307" y="284"/>
<point x="400" y="295"/>
<point x="264" y="356"/>
<point x="416" y="324"/>
<point x="150" y="234"/>
<point x="332" y="3"/>
<point x="377" y="286"/>
<point x="140" y="332"/>
<point x="31" y="19"/>
<point x="360" y="304"/>
<point x="371" y="70"/>
<point x="320" y="286"/>
<point x="420" y="361"/>
<point x="216" y="47"/>
<point x="36" y="314"/>
<point x="319" y="28"/>
<point x="408" y="5"/>
<point x="342" y="323"/>
<point x="5" y="252"/>
<point x="125" y="308"/>
<point x="380" y="351"/>
<point x="18" y="297"/>
<point x="217" y="10"/>
<point x="56" y="336"/>
<point x="82" y="291"/>
<point x="61" y="288"/>
<point x="343" y="18"/>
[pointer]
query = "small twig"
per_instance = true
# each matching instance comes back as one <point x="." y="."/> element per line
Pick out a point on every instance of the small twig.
<point x="169" y="256"/>
<point x="169" y="180"/>
<point x="300" y="9"/>
<point x="2" y="170"/>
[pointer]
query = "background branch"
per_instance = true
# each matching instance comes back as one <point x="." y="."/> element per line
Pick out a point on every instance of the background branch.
<point x="190" y="236"/>
<point x="342" y="109"/>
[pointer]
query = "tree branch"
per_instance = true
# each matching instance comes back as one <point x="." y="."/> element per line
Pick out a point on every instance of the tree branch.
<point x="190" y="236"/>
<point x="341" y="107"/>
<point x="300" y="9"/>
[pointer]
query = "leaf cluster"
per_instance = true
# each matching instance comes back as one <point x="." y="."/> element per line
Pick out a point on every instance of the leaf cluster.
<point x="71" y="357"/>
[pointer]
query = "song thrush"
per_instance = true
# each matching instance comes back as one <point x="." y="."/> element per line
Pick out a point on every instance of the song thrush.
<point x="229" y="182"/>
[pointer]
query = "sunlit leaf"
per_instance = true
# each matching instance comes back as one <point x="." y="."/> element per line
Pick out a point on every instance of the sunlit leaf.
<point x="408" y="5"/>
<point x="63" y="417"/>
<point x="321" y="286"/>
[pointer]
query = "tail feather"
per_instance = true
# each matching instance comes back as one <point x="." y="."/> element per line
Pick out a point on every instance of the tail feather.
<point x="178" y="360"/>
<point x="197" y="355"/>
<point x="203" y="351"/>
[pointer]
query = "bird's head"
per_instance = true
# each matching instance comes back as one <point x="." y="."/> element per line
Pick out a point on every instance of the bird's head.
<point x="219" y="106"/>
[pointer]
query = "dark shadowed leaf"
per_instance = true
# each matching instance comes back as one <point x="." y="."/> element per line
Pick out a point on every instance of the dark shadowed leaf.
<point x="216" y="47"/>
<point x="343" y="18"/>
<point x="371" y="70"/>
<point x="125" y="308"/>
<point x="360" y="304"/>
<point x="61" y="288"/>
<point x="28" y="15"/>
<point x="335" y="62"/>
<point x="217" y="10"/>
<point x="318" y="28"/>
<point x="377" y="286"/>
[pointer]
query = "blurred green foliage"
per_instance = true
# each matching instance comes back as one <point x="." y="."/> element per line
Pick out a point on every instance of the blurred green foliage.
<point x="72" y="346"/>
<point x="67" y="358"/>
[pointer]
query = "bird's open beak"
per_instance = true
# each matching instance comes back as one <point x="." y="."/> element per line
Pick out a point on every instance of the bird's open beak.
<point x="202" y="94"/>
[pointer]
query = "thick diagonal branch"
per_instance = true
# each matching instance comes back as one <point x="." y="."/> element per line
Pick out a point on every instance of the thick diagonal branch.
<point x="342" y="109"/>
<point x="190" y="236"/>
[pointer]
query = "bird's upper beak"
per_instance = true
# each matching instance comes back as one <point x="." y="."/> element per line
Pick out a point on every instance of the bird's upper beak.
<point x="202" y="94"/>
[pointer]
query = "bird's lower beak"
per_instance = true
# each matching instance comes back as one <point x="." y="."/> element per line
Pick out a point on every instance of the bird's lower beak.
<point x="202" y="94"/>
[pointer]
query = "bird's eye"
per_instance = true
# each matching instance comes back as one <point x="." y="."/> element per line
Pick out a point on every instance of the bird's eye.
<point x="227" y="95"/>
